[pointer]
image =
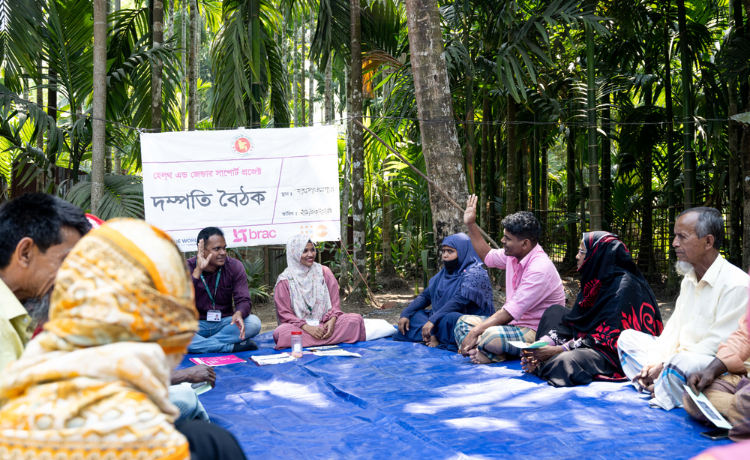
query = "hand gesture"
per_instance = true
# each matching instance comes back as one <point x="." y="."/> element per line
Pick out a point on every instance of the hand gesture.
<point x="315" y="331"/>
<point x="427" y="331"/>
<point x="201" y="262"/>
<point x="238" y="321"/>
<point x="470" y="215"/>
<point x="469" y="343"/>
<point x="329" y="328"/>
<point x="403" y="325"/>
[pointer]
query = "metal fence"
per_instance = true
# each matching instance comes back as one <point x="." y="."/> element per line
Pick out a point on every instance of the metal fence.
<point x="629" y="232"/>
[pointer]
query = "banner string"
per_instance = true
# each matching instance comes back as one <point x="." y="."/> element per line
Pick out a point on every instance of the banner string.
<point x="575" y="124"/>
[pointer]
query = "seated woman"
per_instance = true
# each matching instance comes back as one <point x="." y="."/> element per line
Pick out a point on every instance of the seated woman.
<point x="95" y="382"/>
<point x="307" y="300"/>
<point x="614" y="296"/>
<point x="462" y="287"/>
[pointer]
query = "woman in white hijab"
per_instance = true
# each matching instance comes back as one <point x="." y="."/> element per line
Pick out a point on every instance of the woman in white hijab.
<point x="307" y="300"/>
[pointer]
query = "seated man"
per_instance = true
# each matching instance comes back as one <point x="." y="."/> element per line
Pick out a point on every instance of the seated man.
<point x="37" y="231"/>
<point x="713" y="296"/>
<point x="217" y="279"/>
<point x="532" y="285"/>
<point x="461" y="288"/>
<point x="728" y="392"/>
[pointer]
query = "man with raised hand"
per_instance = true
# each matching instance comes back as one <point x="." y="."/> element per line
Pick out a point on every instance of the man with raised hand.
<point x="532" y="285"/>
<point x="713" y="296"/>
<point x="218" y="281"/>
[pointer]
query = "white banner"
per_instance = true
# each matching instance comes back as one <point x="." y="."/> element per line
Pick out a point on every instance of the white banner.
<point x="259" y="186"/>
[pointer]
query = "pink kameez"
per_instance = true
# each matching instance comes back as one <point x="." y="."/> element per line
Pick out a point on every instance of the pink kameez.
<point x="349" y="327"/>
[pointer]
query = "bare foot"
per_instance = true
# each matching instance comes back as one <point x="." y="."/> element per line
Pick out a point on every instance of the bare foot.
<point x="477" y="357"/>
<point x="433" y="342"/>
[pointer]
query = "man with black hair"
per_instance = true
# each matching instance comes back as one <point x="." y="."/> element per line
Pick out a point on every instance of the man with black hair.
<point x="532" y="285"/>
<point x="218" y="280"/>
<point x="37" y="231"/>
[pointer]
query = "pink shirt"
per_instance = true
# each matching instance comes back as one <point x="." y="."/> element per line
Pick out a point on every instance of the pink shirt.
<point x="532" y="285"/>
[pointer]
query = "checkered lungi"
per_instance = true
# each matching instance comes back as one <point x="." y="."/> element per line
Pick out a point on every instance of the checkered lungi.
<point x="505" y="333"/>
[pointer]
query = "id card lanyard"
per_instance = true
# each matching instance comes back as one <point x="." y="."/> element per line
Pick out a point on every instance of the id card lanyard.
<point x="213" y="315"/>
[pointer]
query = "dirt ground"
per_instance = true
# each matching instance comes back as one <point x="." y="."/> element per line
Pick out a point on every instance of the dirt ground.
<point x="401" y="292"/>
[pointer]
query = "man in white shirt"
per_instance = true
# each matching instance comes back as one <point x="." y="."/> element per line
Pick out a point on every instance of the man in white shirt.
<point x="713" y="296"/>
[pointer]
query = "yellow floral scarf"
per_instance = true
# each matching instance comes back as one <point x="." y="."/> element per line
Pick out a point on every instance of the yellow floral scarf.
<point x="94" y="384"/>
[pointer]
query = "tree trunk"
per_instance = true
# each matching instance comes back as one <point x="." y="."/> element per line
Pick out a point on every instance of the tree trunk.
<point x="357" y="147"/>
<point x="673" y="280"/>
<point x="193" y="72"/>
<point x="573" y="240"/>
<point x="687" y="110"/>
<point x="170" y="24"/>
<point x="303" y="118"/>
<point x="157" y="19"/>
<point x="646" y="249"/>
<point x="52" y="112"/>
<point x="499" y="184"/>
<point x="535" y="172"/>
<point x="485" y="213"/>
<point x="511" y="205"/>
<point x="595" y="202"/>
<point x="606" y="165"/>
<point x="329" y="91"/>
<point x="99" y="103"/>
<point x="42" y="178"/>
<point x="256" y="110"/>
<point x="311" y="110"/>
<point x="491" y="168"/>
<point x="346" y="192"/>
<point x="524" y="174"/>
<point x="544" y="201"/>
<point x="183" y="65"/>
<point x="295" y="73"/>
<point x="745" y="156"/>
<point x="442" y="152"/>
<point x="387" y="268"/>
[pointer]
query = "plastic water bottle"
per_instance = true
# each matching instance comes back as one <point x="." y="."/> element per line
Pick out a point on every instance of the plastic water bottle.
<point x="297" y="344"/>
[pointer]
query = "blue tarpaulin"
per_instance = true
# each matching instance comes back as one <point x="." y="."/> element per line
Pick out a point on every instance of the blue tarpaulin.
<point x="408" y="401"/>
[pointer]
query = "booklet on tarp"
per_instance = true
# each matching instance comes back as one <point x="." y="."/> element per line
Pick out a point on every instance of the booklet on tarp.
<point x="337" y="352"/>
<point x="265" y="360"/>
<point x="708" y="409"/>
<point x="218" y="360"/>
<point x="528" y="346"/>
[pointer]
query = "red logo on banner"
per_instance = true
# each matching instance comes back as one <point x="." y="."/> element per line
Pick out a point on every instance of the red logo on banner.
<point x="242" y="145"/>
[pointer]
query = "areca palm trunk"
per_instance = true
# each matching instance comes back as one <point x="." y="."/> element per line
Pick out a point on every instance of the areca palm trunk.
<point x="170" y="20"/>
<point x="387" y="266"/>
<point x="193" y="71"/>
<point x="303" y="118"/>
<point x="673" y="281"/>
<point x="357" y="147"/>
<point x="311" y="111"/>
<point x="606" y="172"/>
<point x="183" y="56"/>
<point x="687" y="110"/>
<point x="469" y="125"/>
<point x="295" y="72"/>
<point x="485" y="160"/>
<point x="442" y="152"/>
<point x="98" y="147"/>
<point x="544" y="192"/>
<point x="735" y="192"/>
<point x="255" y="75"/>
<point x="511" y="205"/>
<point x="595" y="203"/>
<point x="329" y="91"/>
<point x="156" y="65"/>
<point x="570" y="169"/>
<point x="346" y="192"/>
<point x="646" y="252"/>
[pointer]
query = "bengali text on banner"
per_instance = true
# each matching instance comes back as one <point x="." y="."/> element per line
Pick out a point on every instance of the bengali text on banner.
<point x="259" y="186"/>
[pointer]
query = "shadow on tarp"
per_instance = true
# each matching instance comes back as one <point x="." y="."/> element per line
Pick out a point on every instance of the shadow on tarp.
<point x="405" y="400"/>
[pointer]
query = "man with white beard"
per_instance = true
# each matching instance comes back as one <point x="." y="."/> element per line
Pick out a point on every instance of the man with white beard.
<point x="713" y="296"/>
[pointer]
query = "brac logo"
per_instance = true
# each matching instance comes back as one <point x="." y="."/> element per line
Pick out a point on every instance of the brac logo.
<point x="242" y="236"/>
<point x="243" y="145"/>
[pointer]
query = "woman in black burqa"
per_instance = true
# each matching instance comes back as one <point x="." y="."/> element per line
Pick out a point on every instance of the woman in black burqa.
<point x="614" y="296"/>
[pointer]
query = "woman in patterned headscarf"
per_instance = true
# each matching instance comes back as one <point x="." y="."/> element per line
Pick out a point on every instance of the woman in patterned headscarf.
<point x="95" y="383"/>
<point x="307" y="300"/>
<point x="614" y="296"/>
